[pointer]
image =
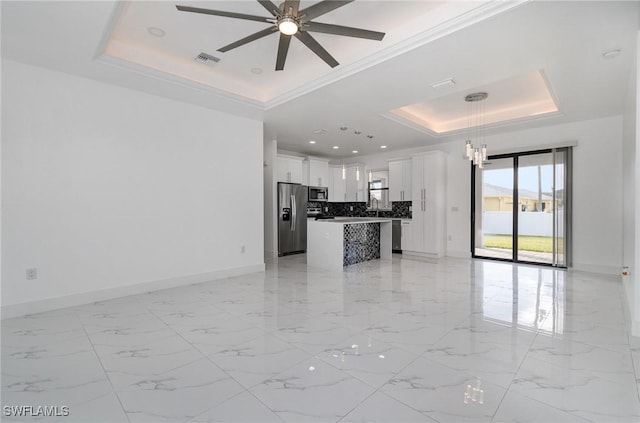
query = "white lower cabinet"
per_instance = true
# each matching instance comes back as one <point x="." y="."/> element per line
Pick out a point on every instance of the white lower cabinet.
<point x="406" y="235"/>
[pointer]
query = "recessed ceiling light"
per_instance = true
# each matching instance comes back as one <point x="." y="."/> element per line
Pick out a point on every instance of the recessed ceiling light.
<point x="344" y="128"/>
<point x="383" y="146"/>
<point x="611" y="53"/>
<point x="312" y="142"/>
<point x="357" y="132"/>
<point x="335" y="147"/>
<point x="156" y="32"/>
<point x="256" y="71"/>
<point x="354" y="151"/>
<point x="370" y="136"/>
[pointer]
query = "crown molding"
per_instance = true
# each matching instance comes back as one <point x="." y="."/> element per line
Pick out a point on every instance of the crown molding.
<point x="164" y="77"/>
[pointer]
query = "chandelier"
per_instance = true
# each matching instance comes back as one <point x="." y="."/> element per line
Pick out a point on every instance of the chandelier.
<point x="476" y="153"/>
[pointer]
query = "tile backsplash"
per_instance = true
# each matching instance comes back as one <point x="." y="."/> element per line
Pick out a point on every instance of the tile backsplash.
<point x="399" y="209"/>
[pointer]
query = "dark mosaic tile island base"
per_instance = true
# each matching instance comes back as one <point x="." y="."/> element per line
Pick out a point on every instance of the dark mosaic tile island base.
<point x="361" y="243"/>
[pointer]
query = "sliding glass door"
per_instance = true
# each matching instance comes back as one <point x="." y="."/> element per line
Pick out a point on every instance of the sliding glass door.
<point x="521" y="207"/>
<point x="494" y="210"/>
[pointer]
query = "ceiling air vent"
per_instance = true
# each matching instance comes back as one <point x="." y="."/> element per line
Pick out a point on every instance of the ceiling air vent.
<point x="206" y="59"/>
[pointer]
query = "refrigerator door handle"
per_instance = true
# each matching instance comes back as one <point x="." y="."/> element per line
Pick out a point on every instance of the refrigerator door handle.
<point x="294" y="213"/>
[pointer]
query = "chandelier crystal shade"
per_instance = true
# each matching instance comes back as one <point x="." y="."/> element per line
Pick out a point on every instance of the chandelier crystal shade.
<point x="476" y="153"/>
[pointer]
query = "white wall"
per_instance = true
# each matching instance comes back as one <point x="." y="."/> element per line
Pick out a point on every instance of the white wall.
<point x="270" y="198"/>
<point x="108" y="191"/>
<point x="631" y="140"/>
<point x="597" y="186"/>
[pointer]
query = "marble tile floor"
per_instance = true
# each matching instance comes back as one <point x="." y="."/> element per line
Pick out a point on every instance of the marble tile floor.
<point x="384" y="341"/>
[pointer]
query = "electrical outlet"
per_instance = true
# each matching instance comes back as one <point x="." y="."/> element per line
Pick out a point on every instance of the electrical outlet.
<point x="242" y="249"/>
<point x="326" y="209"/>
<point x="32" y="274"/>
<point x="410" y="208"/>
<point x="350" y="208"/>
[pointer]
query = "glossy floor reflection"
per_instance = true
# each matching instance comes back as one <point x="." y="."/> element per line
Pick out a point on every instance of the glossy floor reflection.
<point x="392" y="341"/>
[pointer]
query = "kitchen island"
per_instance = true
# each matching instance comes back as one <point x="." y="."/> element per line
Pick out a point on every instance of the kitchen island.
<point x="343" y="241"/>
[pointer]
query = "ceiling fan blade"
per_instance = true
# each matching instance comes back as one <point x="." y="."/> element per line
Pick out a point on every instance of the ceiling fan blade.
<point x="293" y="4"/>
<point x="283" y="49"/>
<point x="248" y="39"/>
<point x="222" y="13"/>
<point x="347" y="31"/>
<point x="321" y="8"/>
<point x="314" y="46"/>
<point x="271" y="8"/>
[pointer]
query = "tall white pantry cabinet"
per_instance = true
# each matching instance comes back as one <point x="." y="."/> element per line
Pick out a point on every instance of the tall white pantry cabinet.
<point x="429" y="202"/>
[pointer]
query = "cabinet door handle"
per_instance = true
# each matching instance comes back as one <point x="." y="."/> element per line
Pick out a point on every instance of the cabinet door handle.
<point x="425" y="199"/>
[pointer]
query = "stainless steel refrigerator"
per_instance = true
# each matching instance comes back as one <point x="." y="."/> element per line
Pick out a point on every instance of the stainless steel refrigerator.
<point x="292" y="218"/>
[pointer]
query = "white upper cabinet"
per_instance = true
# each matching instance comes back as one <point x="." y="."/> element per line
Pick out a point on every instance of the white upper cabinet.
<point x="355" y="184"/>
<point x="318" y="172"/>
<point x="290" y="169"/>
<point x="429" y="204"/>
<point x="338" y="186"/>
<point x="400" y="180"/>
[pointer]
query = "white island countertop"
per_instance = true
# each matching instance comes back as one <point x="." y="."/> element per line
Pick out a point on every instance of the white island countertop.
<point x="351" y="220"/>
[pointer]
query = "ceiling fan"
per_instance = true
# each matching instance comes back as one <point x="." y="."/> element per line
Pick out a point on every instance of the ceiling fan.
<point x="290" y="21"/>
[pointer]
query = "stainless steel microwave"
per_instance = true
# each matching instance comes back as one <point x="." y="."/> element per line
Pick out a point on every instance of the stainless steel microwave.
<point x="318" y="193"/>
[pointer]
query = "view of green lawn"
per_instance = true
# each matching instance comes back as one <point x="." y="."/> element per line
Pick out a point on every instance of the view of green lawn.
<point x="542" y="244"/>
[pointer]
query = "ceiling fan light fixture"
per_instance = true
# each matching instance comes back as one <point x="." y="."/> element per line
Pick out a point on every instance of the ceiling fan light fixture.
<point x="287" y="25"/>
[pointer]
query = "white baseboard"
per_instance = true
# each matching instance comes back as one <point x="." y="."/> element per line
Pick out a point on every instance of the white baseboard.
<point x="458" y="254"/>
<point x="597" y="268"/>
<point x="419" y="254"/>
<point x="48" y="304"/>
